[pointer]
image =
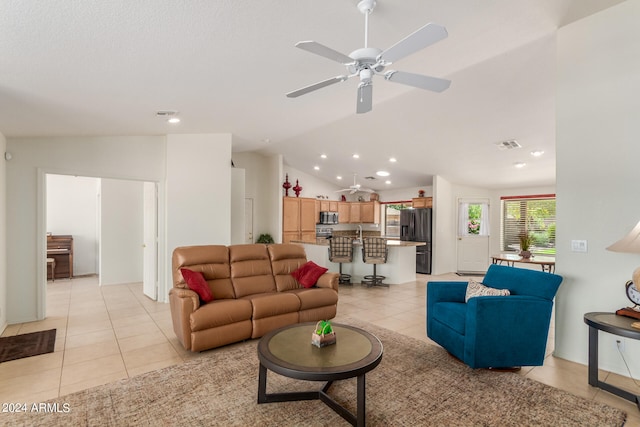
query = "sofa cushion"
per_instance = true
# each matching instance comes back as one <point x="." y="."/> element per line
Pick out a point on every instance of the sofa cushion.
<point x="475" y="289"/>
<point x="285" y="259"/>
<point x="272" y="304"/>
<point x="250" y="270"/>
<point x="308" y="274"/>
<point x="195" y="281"/>
<point x="316" y="297"/>
<point x="212" y="261"/>
<point x="220" y="313"/>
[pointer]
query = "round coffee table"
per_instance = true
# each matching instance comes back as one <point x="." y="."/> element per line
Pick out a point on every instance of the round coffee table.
<point x="288" y="351"/>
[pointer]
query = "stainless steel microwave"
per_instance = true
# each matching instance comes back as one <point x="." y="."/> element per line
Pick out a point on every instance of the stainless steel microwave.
<point x="328" y="217"/>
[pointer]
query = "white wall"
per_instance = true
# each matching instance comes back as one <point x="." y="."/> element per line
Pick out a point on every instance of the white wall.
<point x="237" y="206"/>
<point x="263" y="186"/>
<point x="405" y="194"/>
<point x="3" y="235"/>
<point x="135" y="158"/>
<point x="72" y="209"/>
<point x="444" y="227"/>
<point x="198" y="197"/>
<point x="313" y="186"/>
<point x="121" y="231"/>
<point x="597" y="174"/>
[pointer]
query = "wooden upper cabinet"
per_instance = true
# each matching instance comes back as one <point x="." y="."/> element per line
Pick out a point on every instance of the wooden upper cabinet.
<point x="370" y="212"/>
<point x="328" y="206"/>
<point x="308" y="215"/>
<point x="344" y="212"/>
<point x="290" y="215"/>
<point x="354" y="213"/>
<point x="422" y="202"/>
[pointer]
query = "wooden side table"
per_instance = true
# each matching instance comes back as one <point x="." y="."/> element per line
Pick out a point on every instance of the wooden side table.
<point x="616" y="325"/>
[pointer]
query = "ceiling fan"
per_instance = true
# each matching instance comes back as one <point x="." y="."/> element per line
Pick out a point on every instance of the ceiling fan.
<point x="368" y="61"/>
<point x="355" y="187"/>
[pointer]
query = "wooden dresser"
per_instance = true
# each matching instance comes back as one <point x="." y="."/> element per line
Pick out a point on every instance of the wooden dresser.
<point x="60" y="248"/>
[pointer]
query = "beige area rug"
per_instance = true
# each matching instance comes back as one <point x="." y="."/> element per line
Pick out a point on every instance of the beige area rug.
<point x="415" y="384"/>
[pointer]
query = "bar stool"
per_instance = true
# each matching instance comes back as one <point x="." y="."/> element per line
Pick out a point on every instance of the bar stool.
<point x="374" y="251"/>
<point x="52" y="262"/>
<point x="341" y="251"/>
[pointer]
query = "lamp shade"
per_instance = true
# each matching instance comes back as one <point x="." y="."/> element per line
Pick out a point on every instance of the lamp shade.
<point x="629" y="243"/>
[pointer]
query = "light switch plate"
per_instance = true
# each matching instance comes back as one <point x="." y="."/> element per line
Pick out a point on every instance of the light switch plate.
<point x="578" y="246"/>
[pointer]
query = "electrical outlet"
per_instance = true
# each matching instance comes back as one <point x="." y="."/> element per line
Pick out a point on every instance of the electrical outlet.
<point x="578" y="246"/>
<point x="620" y="344"/>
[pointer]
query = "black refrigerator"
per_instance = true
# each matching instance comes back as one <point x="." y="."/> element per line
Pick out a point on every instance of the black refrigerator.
<point x="415" y="226"/>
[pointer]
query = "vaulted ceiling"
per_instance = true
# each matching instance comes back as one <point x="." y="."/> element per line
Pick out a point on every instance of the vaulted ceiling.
<point x="70" y="68"/>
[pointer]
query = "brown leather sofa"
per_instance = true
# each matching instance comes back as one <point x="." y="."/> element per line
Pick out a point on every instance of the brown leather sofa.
<point x="254" y="293"/>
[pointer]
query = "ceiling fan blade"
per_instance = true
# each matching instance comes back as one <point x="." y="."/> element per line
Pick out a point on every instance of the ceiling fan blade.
<point x="365" y="98"/>
<point x="418" y="80"/>
<point x="414" y="42"/>
<point x="316" y="86"/>
<point x="322" y="50"/>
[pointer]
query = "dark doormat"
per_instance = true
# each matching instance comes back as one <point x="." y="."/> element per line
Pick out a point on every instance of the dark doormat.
<point x="27" y="345"/>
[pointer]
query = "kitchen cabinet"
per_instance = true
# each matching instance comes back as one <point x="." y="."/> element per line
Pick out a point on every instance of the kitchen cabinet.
<point x="298" y="219"/>
<point x="422" y="202"/>
<point x="344" y="212"/>
<point x="328" y="206"/>
<point x="354" y="212"/>
<point x="370" y="212"/>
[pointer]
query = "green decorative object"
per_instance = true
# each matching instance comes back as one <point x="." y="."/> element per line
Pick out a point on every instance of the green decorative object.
<point x="265" y="238"/>
<point x="323" y="334"/>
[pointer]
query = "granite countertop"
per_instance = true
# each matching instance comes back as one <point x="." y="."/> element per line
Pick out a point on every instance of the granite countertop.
<point x="325" y="242"/>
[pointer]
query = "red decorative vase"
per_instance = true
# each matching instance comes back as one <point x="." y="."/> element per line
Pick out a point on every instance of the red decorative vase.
<point x="286" y="185"/>
<point x="297" y="189"/>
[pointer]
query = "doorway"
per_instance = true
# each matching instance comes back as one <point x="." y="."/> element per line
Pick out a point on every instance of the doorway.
<point x="473" y="235"/>
<point x="113" y="223"/>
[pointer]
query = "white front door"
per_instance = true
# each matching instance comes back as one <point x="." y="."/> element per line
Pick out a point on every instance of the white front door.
<point x="473" y="235"/>
<point x="150" y="245"/>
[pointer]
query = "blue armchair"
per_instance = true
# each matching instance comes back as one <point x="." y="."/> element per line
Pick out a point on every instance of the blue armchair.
<point x="494" y="331"/>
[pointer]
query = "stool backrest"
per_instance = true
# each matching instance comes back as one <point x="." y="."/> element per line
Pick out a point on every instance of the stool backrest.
<point x="374" y="247"/>
<point x="340" y="247"/>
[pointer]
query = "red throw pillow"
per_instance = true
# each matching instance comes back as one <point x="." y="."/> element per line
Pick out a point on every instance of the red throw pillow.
<point x="309" y="273"/>
<point x="195" y="282"/>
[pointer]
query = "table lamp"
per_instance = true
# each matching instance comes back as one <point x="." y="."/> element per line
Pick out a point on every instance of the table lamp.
<point x="630" y="244"/>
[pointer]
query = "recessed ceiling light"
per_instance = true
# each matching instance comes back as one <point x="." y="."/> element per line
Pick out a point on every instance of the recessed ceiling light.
<point x="393" y="160"/>
<point x="537" y="153"/>
<point x="383" y="173"/>
<point x="356" y="156"/>
<point x="323" y="156"/>
<point x="173" y="120"/>
<point x="519" y="164"/>
<point x="387" y="182"/>
<point x="338" y="177"/>
<point x="317" y="168"/>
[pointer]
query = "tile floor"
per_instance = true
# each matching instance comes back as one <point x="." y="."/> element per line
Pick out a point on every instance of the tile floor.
<point x="113" y="332"/>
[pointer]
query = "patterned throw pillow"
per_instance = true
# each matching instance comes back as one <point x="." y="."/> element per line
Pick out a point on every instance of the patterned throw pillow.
<point x="475" y="289"/>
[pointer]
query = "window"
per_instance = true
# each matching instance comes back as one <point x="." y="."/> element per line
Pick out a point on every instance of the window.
<point x="391" y="217"/>
<point x="532" y="215"/>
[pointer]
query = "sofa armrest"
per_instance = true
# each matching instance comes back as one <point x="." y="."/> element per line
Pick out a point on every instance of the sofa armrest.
<point x="183" y="302"/>
<point x="446" y="292"/>
<point x="500" y="326"/>
<point x="328" y="280"/>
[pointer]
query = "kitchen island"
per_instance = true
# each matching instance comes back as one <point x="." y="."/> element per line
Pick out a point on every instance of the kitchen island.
<point x="399" y="268"/>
